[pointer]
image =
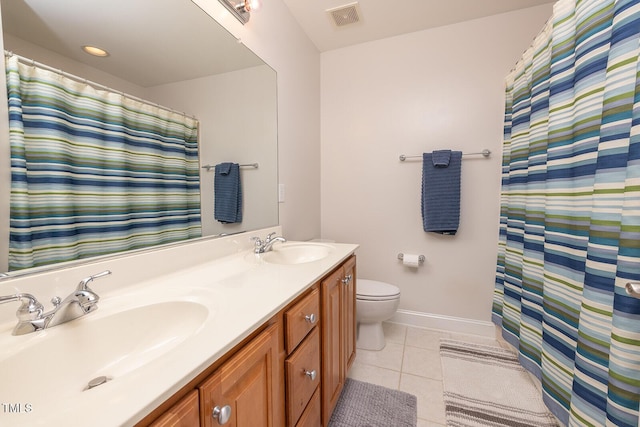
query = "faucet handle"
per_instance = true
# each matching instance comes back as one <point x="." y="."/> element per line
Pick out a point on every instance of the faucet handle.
<point x="83" y="285"/>
<point x="269" y="237"/>
<point x="30" y="308"/>
<point x="88" y="300"/>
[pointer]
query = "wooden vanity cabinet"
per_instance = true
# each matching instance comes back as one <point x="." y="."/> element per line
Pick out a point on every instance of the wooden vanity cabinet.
<point x="338" y="333"/>
<point x="290" y="372"/>
<point x="243" y="391"/>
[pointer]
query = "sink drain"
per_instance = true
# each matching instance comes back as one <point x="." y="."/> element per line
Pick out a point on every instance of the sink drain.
<point x="96" y="382"/>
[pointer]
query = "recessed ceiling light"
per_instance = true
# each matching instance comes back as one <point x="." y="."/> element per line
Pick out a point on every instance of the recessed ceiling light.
<point x="95" y="51"/>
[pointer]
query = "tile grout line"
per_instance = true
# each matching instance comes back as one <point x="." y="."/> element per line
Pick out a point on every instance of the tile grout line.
<point x="404" y="348"/>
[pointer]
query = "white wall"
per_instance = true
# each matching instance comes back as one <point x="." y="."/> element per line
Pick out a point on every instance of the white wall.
<point x="435" y="89"/>
<point x="274" y="35"/>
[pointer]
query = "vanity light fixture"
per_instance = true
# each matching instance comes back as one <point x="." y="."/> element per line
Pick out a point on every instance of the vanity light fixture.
<point x="95" y="51"/>
<point x="241" y="8"/>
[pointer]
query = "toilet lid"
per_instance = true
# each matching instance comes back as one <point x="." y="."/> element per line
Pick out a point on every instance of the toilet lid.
<point x="374" y="290"/>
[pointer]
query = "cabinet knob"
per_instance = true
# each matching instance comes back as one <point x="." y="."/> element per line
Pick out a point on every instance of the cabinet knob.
<point x="310" y="374"/>
<point x="311" y="318"/>
<point x="347" y="279"/>
<point x="221" y="414"/>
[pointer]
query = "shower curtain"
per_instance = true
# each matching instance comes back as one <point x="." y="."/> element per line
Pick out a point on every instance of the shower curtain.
<point x="94" y="172"/>
<point x="570" y="212"/>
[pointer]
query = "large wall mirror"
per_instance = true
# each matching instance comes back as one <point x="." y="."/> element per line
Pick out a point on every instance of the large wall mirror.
<point x="172" y="53"/>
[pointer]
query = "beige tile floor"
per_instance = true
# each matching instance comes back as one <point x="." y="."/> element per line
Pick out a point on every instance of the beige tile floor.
<point x="411" y="362"/>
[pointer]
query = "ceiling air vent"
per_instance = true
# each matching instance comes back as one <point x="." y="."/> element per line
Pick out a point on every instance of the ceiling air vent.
<point x="345" y="15"/>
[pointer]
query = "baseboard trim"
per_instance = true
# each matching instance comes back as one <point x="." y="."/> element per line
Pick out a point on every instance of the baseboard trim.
<point x="446" y="323"/>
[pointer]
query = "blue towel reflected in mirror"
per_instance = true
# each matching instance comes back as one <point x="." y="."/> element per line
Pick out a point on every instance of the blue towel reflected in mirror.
<point x="227" y="190"/>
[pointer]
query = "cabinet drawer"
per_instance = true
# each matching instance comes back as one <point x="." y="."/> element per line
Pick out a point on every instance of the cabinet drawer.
<point x="303" y="376"/>
<point x="311" y="416"/>
<point x="300" y="319"/>
<point x="185" y="413"/>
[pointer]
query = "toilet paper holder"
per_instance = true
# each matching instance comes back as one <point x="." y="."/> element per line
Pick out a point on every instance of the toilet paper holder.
<point x="421" y="258"/>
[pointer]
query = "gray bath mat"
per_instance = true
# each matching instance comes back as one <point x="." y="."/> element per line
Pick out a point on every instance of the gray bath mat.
<point x="368" y="405"/>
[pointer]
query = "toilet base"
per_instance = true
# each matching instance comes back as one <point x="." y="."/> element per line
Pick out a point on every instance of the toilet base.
<point x="370" y="336"/>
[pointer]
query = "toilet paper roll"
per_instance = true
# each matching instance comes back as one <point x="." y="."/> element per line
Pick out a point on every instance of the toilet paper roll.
<point x="411" y="260"/>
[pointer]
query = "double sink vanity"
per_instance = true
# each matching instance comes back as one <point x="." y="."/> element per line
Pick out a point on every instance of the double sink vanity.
<point x="208" y="333"/>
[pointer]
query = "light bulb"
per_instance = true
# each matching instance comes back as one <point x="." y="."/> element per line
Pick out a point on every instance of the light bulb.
<point x="95" y="51"/>
<point x="252" y="5"/>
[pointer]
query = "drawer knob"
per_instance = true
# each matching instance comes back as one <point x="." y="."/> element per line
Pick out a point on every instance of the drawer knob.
<point x="221" y="414"/>
<point x="310" y="374"/>
<point x="347" y="279"/>
<point x="311" y="318"/>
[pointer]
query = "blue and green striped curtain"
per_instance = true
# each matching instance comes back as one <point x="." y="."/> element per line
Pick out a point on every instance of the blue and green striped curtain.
<point x="94" y="172"/>
<point x="570" y="212"/>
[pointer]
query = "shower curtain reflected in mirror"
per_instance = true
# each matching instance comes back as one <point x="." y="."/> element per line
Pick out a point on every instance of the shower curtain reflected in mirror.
<point x="94" y="172"/>
<point x="570" y="212"/>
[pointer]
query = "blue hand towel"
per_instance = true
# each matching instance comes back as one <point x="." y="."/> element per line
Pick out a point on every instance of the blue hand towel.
<point x="227" y="191"/>
<point x="441" y="193"/>
<point x="441" y="158"/>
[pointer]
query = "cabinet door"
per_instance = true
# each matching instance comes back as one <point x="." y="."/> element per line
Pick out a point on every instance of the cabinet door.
<point x="243" y="389"/>
<point x="185" y="413"/>
<point x="349" y="298"/>
<point x="332" y="343"/>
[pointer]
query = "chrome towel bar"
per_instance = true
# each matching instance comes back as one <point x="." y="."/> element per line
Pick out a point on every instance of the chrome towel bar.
<point x="252" y="165"/>
<point x="486" y="153"/>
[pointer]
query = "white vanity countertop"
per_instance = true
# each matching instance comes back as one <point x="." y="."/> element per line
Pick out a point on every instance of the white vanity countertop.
<point x="188" y="319"/>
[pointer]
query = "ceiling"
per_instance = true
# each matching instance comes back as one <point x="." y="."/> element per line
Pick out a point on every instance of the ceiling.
<point x="175" y="39"/>
<point x="386" y="18"/>
<point x="168" y="34"/>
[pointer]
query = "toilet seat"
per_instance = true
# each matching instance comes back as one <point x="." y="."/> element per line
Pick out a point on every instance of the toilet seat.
<point x="373" y="290"/>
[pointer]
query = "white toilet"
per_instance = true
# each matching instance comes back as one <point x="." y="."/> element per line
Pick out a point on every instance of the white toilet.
<point x="375" y="303"/>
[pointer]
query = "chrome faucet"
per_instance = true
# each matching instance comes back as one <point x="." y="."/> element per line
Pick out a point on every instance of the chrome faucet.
<point x="31" y="316"/>
<point x="266" y="245"/>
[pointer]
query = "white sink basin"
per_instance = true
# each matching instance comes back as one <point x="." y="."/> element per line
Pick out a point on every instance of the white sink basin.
<point x="297" y="253"/>
<point x="62" y="360"/>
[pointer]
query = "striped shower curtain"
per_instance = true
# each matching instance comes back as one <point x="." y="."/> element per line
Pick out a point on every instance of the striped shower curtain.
<point x="94" y="172"/>
<point x="570" y="212"/>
